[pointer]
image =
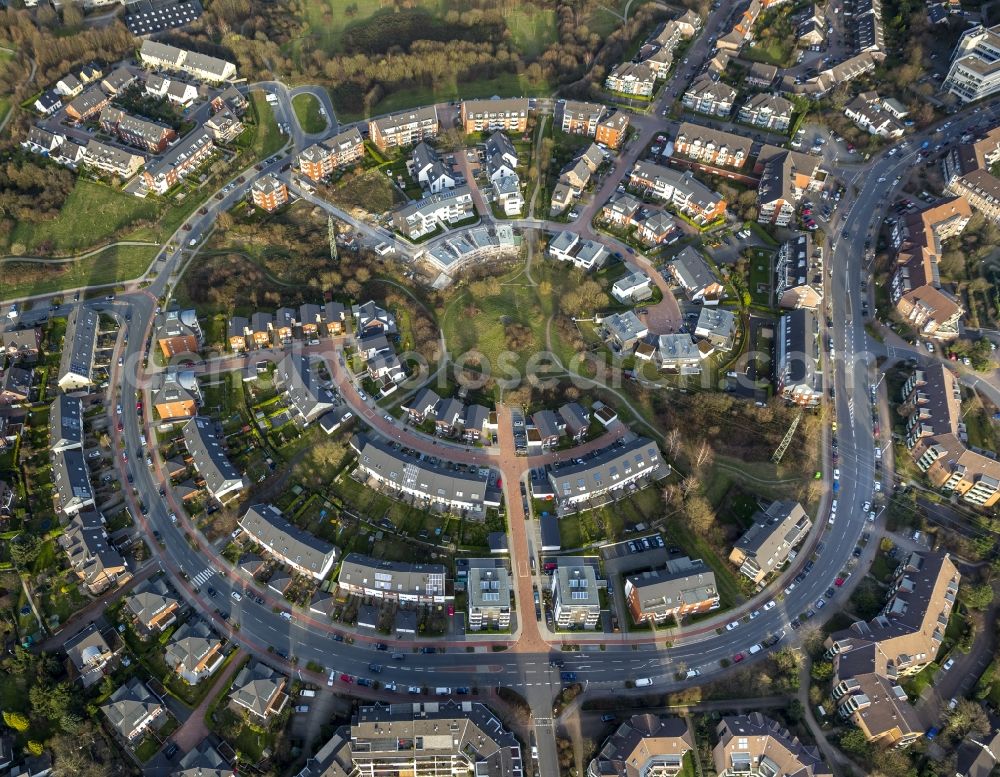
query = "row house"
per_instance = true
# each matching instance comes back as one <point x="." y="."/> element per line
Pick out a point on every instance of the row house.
<point x="138" y="132"/>
<point x="111" y="159"/>
<point x="292" y="546"/>
<point x="713" y="98"/>
<point x="182" y="160"/>
<point x="322" y="159"/>
<point x="41" y="141"/>
<point x="680" y="189"/>
<point x="76" y="362"/>
<point x="799" y="273"/>
<point x="629" y="78"/>
<point x="160" y="55"/>
<point x="868" y="112"/>
<point x="404" y="129"/>
<point x="799" y="377"/>
<point x="91" y="555"/>
<point x="394" y="580"/>
<point x="510" y="115"/>
<point x="710" y="146"/>
<point x="767" y="111"/>
<point x="207" y="448"/>
<point x="610" y="471"/>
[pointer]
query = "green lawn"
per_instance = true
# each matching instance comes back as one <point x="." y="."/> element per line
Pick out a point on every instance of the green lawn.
<point x="92" y="213"/>
<point x="113" y="265"/>
<point x="307" y="112"/>
<point x="533" y="28"/>
<point x="761" y="280"/>
<point x="267" y="138"/>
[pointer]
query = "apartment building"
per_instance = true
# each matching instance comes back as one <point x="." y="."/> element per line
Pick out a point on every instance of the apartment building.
<point x="975" y="64"/>
<point x="65" y="423"/>
<point x="404" y="129"/>
<point x="683" y="587"/>
<point x="630" y="78"/>
<point x="770" y="541"/>
<point x="576" y="601"/>
<point x="767" y="111"/>
<point x="488" y="594"/>
<point x="688" y="196"/>
<point x="135" y="131"/>
<point x="427" y="740"/>
<point x="510" y="115"/>
<point x="320" y="160"/>
<point x="612" y="129"/>
<point x="716" y="327"/>
<point x="799" y="377"/>
<point x="799" y="273"/>
<point x="176" y="395"/>
<point x="691" y="270"/>
<point x="71" y="479"/>
<point x="644" y="745"/>
<point x="207" y="449"/>
<point x="224" y="126"/>
<point x="609" y="472"/>
<point x="88" y="104"/>
<point x="915" y="288"/>
<point x="742" y="30"/>
<point x="585" y="254"/>
<point x="111" y="159"/>
<point x="870" y="658"/>
<point x="624" y="331"/>
<point x="131" y="709"/>
<point x="182" y="160"/>
<point x="708" y="96"/>
<point x="968" y="173"/>
<point x="416" y="219"/>
<point x="430" y="484"/>
<point x="580" y="118"/>
<point x="710" y="146"/>
<point x="92" y="557"/>
<point x="394" y="580"/>
<point x="201" y="66"/>
<point x="153" y="606"/>
<point x="177" y="332"/>
<point x="307" y="395"/>
<point x="294" y="547"/>
<point x="678" y="353"/>
<point x="194" y="652"/>
<point x="785" y="176"/>
<point x="938" y="441"/>
<point x="756" y="746"/>
<point x="269" y="192"/>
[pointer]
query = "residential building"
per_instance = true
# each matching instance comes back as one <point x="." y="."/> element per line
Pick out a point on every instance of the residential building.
<point x="607" y="473"/>
<point x="320" y="160"/>
<point x="612" y="129"/>
<point x="679" y="353"/>
<point x="509" y="114"/>
<point x="799" y="273"/>
<point x="88" y="104"/>
<point x="811" y="29"/>
<point x="822" y="84"/>
<point x="224" y="126"/>
<point x="507" y="192"/>
<point x="65" y="424"/>
<point x="429" y="171"/>
<point x="307" y="395"/>
<point x="436" y="738"/>
<point x="576" y="600"/>
<point x="131" y="709"/>
<point x="978" y="755"/>
<point x="488" y="594"/>
<point x="621" y="209"/>
<point x="634" y="286"/>
<point x="624" y="330"/>
<point x="269" y="192"/>
<point x="178" y="92"/>
<point x="629" y="78"/>
<point x="938" y="440"/>
<point x="708" y="96"/>
<point x="710" y="146"/>
<point x="206" y="68"/>
<point x="416" y="219"/>
<point x="48" y="102"/>
<point x="968" y="173"/>
<point x="153" y="606"/>
<point x="70" y="153"/>
<point x="306" y="554"/>
<point x="423" y="405"/>
<point x="717" y="327"/>
<point x="688" y="196"/>
<point x="194" y="652"/>
<point x="866" y="110"/>
<point x="42" y="141"/>
<point x="237" y="332"/>
<point x="757" y="746"/>
<point x="71" y="479"/>
<point x="394" y="580"/>
<point x="871" y="658"/>
<point x="178" y="332"/>
<point x="644" y="745"/>
<point x="784" y="177"/>
<point x="204" y="760"/>
<point x="549" y="427"/>
<point x="742" y="30"/>
<point x="15" y="386"/>
<point x="501" y="157"/>
<point x="111" y="159"/>
<point x="684" y="587"/>
<point x="404" y="129"/>
<point x="260" y="691"/>
<point x="89" y="653"/>
<point x="975" y="64"/>
<point x="761" y="75"/>
<point x="696" y="276"/>
<point x="90" y="553"/>
<point x="208" y="456"/>
<point x="770" y="540"/>
<point x="182" y="160"/>
<point x="767" y="111"/>
<point x="915" y="288"/>
<point x="585" y="254"/>
<point x="449" y="416"/>
<point x="476" y="417"/>
<point x="576" y="420"/>
<point x="419" y="479"/>
<point x="799" y="377"/>
<point x="68" y="86"/>
<point x="233" y="99"/>
<point x="657" y="227"/>
<point x="580" y="118"/>
<point x="261" y="329"/>
<point x="176" y="395"/>
<point x="372" y="319"/>
<point x="136" y="131"/>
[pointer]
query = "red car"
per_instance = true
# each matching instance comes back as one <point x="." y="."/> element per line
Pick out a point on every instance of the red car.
<point x="737" y="658"/>
<point x="451" y="609"/>
<point x="346" y="678"/>
<point x="838" y="582"/>
<point x="121" y="426"/>
<point x="138" y="406"/>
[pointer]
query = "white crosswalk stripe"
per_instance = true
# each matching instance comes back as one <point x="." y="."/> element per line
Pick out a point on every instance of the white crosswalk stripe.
<point x="203" y="576"/>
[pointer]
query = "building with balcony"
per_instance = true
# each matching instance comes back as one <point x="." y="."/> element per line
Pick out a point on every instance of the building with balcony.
<point x="644" y="745"/>
<point x="269" y="192"/>
<point x="576" y="601"/>
<point x="757" y="746"/>
<point x="305" y="553"/>
<point x="394" y="580"/>
<point x="716" y="148"/>
<point x="488" y="594"/>
<point x="769" y="542"/>
<point x="799" y="377"/>
<point x="510" y="115"/>
<point x="403" y="129"/>
<point x="975" y="65"/>
<point x="194" y="652"/>
<point x="708" y="96"/>
<point x="683" y="587"/>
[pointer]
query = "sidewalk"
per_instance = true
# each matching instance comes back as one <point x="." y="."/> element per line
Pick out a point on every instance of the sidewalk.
<point x="195" y="729"/>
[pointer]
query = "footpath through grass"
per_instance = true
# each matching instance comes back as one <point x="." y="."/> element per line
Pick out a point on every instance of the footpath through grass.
<point x="307" y="112"/>
<point x="115" y="264"/>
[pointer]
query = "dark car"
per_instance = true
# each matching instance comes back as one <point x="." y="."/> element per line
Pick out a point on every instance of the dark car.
<point x="428" y="650"/>
<point x="376" y="668"/>
<point x="381" y="646"/>
<point x="830" y="592"/>
<point x="567" y="677"/>
<point x="171" y="750"/>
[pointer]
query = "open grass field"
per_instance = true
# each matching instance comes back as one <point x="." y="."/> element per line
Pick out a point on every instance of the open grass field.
<point x="267" y="138"/>
<point x="91" y="214"/>
<point x="115" y="264"/>
<point x="533" y="28"/>
<point x="307" y="112"/>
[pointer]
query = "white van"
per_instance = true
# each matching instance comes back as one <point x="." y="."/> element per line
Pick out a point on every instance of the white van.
<point x="755" y="649"/>
<point x="443" y="691"/>
<point x="642" y="682"/>
<point x="307" y="693"/>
